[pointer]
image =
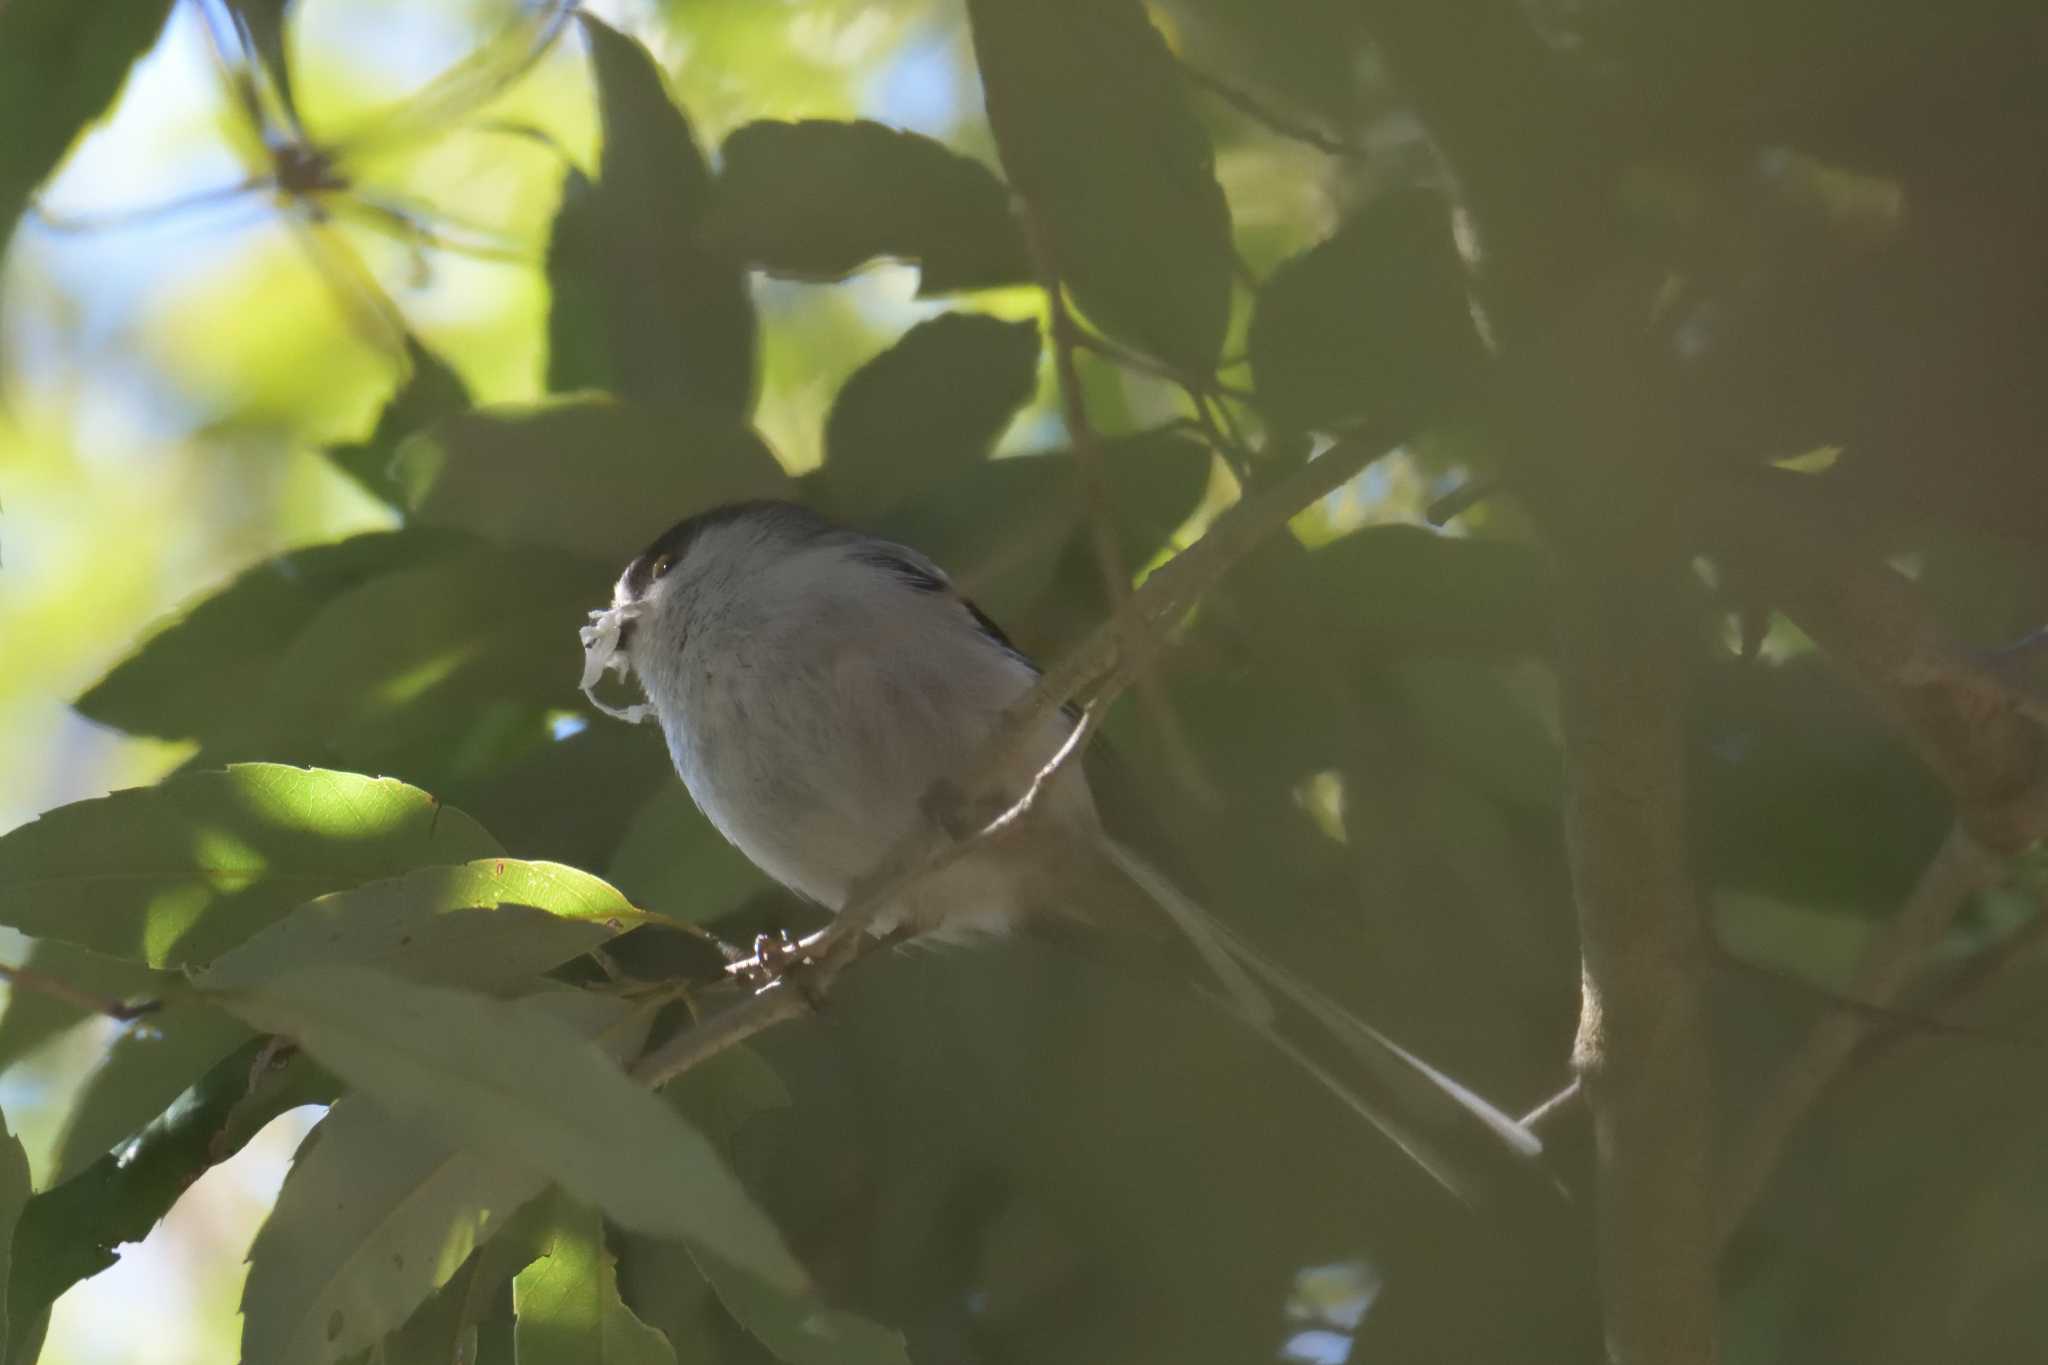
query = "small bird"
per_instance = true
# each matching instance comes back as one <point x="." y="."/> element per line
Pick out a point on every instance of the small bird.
<point x="816" y="684"/>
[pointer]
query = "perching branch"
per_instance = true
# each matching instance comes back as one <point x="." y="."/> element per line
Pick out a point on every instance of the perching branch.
<point x="1096" y="669"/>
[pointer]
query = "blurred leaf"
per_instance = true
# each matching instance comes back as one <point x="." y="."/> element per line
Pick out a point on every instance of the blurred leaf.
<point x="143" y="1073"/>
<point x="1470" y="717"/>
<point x="61" y="65"/>
<point x="568" y="1303"/>
<point x="440" y="671"/>
<point x="1003" y="528"/>
<point x="432" y="393"/>
<point x="1801" y="794"/>
<point x="14" y="1196"/>
<point x="670" y="318"/>
<point x="69" y="1233"/>
<point x="486" y="925"/>
<point x="817" y="200"/>
<point x="200" y="673"/>
<point x="1092" y="118"/>
<point x="374" y="1216"/>
<point x="179" y="872"/>
<point x="938" y="399"/>
<point x="588" y="474"/>
<point x="1372" y="323"/>
<point x="676" y="861"/>
<point x="519" y="1085"/>
<point x="32" y="1017"/>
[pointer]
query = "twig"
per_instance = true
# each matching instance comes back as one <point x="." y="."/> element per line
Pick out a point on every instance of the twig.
<point x="1258" y="111"/>
<point x="1959" y="869"/>
<point x="1109" y="557"/>
<point x="1095" y="666"/>
<point x="123" y="1011"/>
<point x="1963" y="716"/>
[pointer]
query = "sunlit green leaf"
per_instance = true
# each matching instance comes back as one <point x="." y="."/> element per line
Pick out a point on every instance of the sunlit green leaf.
<point x="568" y="1303"/>
<point x="518" y="1085"/>
<point x="180" y="872"/>
<point x="818" y="199"/>
<point x="588" y="474"/>
<point x="1372" y="323"/>
<point x="1092" y="118"/>
<point x="61" y="65"/>
<point x="935" y="401"/>
<point x="653" y="313"/>
<point x="486" y="924"/>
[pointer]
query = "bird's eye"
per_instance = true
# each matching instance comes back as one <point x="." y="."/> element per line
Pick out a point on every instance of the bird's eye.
<point x="662" y="565"/>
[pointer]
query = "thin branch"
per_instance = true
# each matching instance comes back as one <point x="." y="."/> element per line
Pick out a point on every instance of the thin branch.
<point x="1096" y="667"/>
<point x="1109" y="557"/>
<point x="1260" y="112"/>
<point x="123" y="1011"/>
<point x="1963" y="714"/>
<point x="1960" y="868"/>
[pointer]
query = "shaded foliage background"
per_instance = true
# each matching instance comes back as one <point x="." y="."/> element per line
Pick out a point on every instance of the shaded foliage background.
<point x="382" y="439"/>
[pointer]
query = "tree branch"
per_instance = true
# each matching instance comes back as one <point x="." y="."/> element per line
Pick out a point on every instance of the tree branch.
<point x="1643" y="1053"/>
<point x="1958" y="870"/>
<point x="122" y="1011"/>
<point x="1962" y="713"/>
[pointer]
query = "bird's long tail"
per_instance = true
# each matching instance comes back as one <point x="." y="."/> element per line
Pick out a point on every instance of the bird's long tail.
<point x="1467" y="1144"/>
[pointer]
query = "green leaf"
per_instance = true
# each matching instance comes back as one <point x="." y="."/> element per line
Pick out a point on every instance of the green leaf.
<point x="374" y="1217"/>
<point x="488" y="925"/>
<point x="666" y="1284"/>
<point x="442" y="671"/>
<point x="675" y="860"/>
<point x="588" y="474"/>
<point x="433" y="392"/>
<point x="1092" y="118"/>
<point x="818" y="199"/>
<point x="142" y="1074"/>
<point x="568" y="1304"/>
<point x="14" y="1197"/>
<point x="61" y="64"/>
<point x="200" y="673"/>
<point x="1372" y="323"/>
<point x="671" y="318"/>
<point x="180" y="872"/>
<point x="447" y="1327"/>
<point x="936" y="400"/>
<point x="69" y="1233"/>
<point x="518" y="1085"/>
<point x="377" y="1215"/>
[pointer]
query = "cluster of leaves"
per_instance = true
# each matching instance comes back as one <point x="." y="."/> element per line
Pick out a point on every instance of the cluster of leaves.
<point x="1004" y="1156"/>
